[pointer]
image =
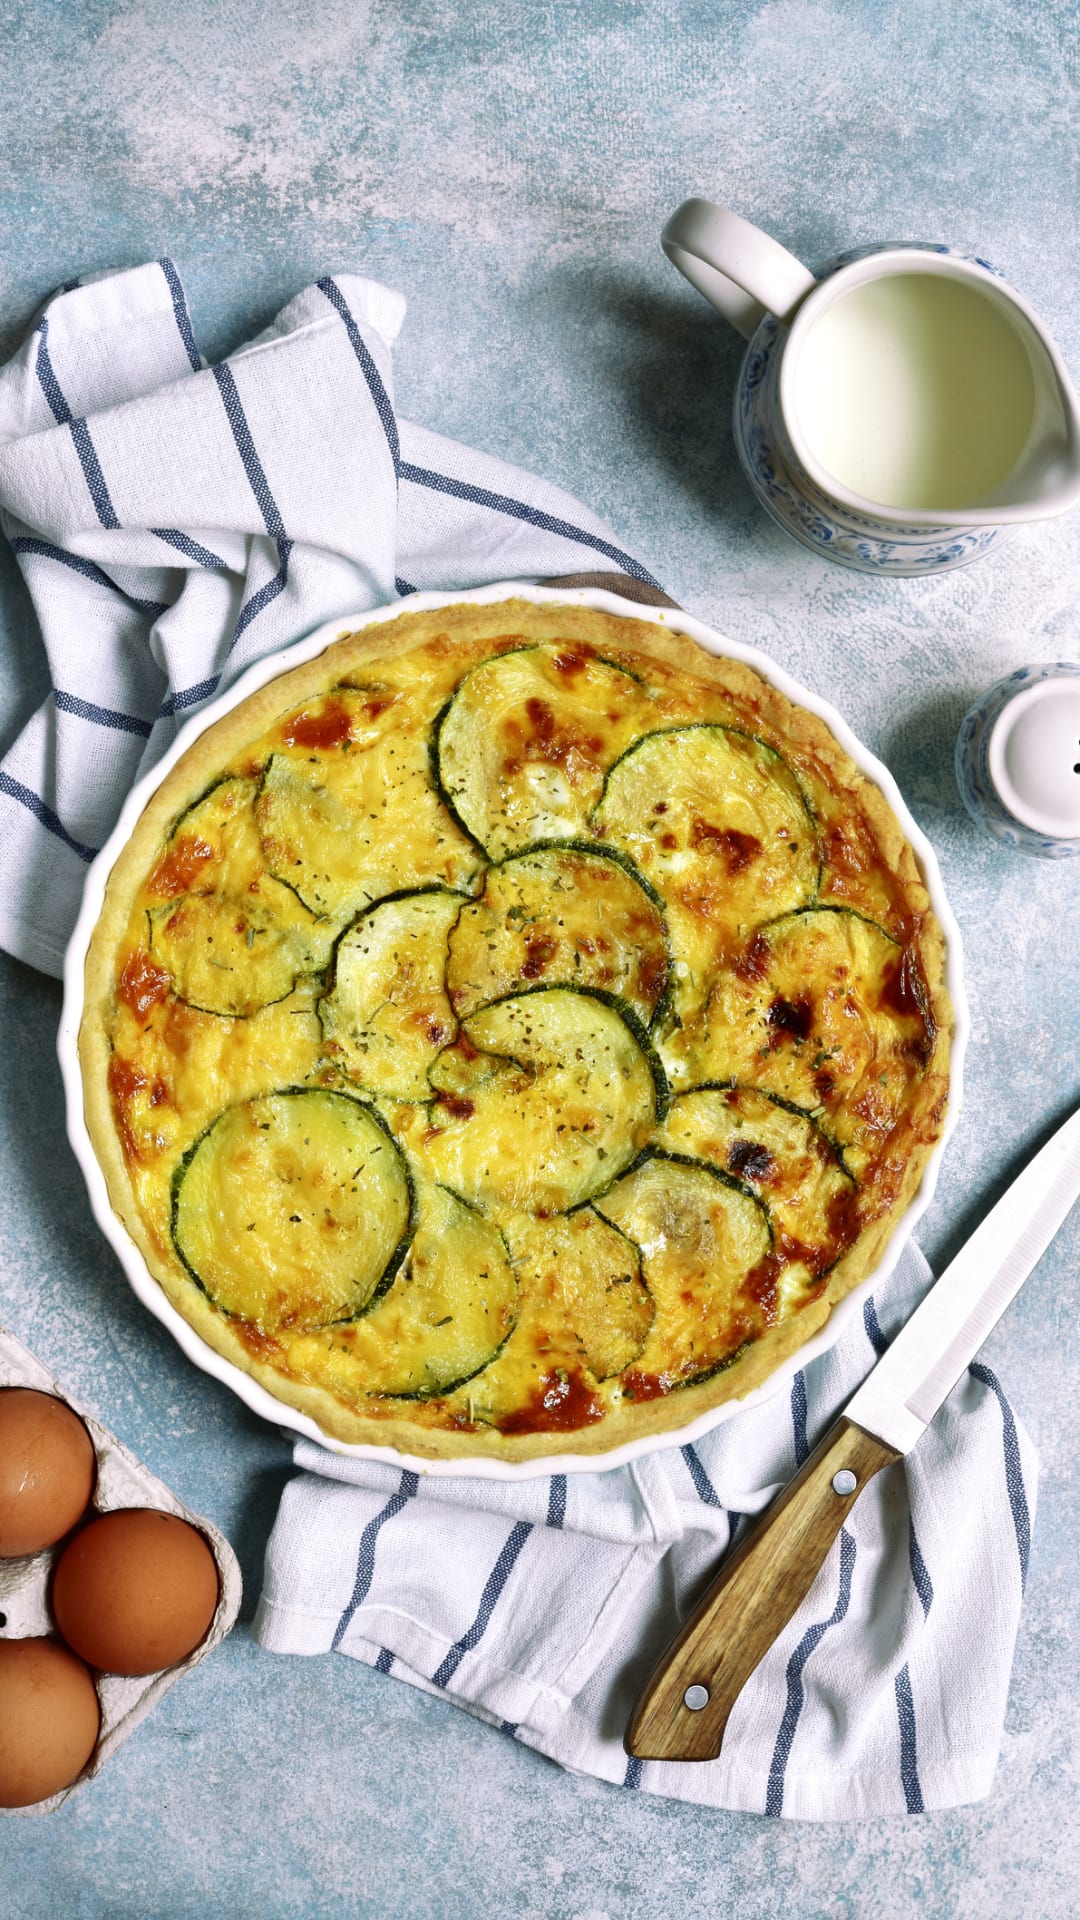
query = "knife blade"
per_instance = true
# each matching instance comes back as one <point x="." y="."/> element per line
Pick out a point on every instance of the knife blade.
<point x="683" y="1710"/>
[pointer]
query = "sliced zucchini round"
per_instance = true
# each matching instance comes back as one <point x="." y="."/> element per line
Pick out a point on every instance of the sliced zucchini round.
<point x="560" y="915"/>
<point x="293" y="1211"/>
<point x="719" y="824"/>
<point x="232" y="938"/>
<point x="705" y="1241"/>
<point x="451" y="1309"/>
<point x="388" y="1015"/>
<point x="346" y="822"/>
<point x="542" y="1101"/>
<point x="784" y="1157"/>
<point x="522" y="746"/>
<point x="592" y="1272"/>
<point x="824" y="1009"/>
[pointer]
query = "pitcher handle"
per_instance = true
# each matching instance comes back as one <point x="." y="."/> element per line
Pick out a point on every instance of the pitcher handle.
<point x="740" y="270"/>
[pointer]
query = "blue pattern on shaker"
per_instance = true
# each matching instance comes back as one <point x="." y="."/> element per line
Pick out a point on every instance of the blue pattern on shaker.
<point x="977" y="789"/>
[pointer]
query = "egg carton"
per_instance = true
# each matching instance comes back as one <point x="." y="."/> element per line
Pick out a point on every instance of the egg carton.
<point x="24" y="1583"/>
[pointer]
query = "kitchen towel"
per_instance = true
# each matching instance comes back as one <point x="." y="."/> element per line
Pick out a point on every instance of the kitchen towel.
<point x="175" y="522"/>
<point x="541" y="1605"/>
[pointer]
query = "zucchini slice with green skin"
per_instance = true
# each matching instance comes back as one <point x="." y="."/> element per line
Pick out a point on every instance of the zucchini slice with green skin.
<point x="560" y="915"/>
<point x="293" y="1211"/>
<point x="387" y="1014"/>
<point x="347" y="822"/>
<point x="231" y="937"/>
<point x="719" y="824"/>
<point x="705" y="1243"/>
<point x="562" y="1091"/>
<point x="822" y="1008"/>
<point x="592" y="1274"/>
<point x="450" y="1311"/>
<point x="522" y="747"/>
<point x="785" y="1158"/>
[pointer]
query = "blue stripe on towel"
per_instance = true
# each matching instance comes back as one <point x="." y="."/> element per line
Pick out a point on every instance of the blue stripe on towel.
<point x="188" y="697"/>
<point x="774" y="1795"/>
<point x="365" y="1559"/>
<point x="509" y="1726"/>
<point x="180" y="309"/>
<point x="245" y="447"/>
<point x="703" y="1486"/>
<point x="632" y="1776"/>
<point x="905" y="1699"/>
<point x="920" y="1574"/>
<point x="370" y="371"/>
<point x="265" y="594"/>
<point x="1014" y="1478"/>
<point x="798" y="1419"/>
<point x="202" y="556"/>
<point x="80" y="432"/>
<point x="534" y="516"/>
<point x="102" y="716"/>
<point x="873" y="1328"/>
<point x="909" y="1759"/>
<point x="50" y="385"/>
<point x="402" y="588"/>
<point x="91" y="466"/>
<point x="35" y="805"/>
<point x="556" y="1512"/>
<point x="385" y="1660"/>
<point x="920" y="1577"/>
<point x="706" y="1492"/>
<point x="260" y="487"/>
<point x="497" y="1579"/>
<point x="23" y="543"/>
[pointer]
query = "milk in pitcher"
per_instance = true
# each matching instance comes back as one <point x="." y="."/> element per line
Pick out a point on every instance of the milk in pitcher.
<point x="916" y="391"/>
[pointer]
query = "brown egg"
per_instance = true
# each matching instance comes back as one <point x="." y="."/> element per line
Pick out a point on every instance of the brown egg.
<point x="47" y="1469"/>
<point x="49" y="1720"/>
<point x="135" y="1590"/>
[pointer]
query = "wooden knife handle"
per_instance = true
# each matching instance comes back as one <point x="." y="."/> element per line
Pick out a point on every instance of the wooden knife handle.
<point x="751" y="1601"/>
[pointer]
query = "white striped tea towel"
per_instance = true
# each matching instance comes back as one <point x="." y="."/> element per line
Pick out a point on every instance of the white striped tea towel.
<point x="175" y="522"/>
<point x="540" y="1605"/>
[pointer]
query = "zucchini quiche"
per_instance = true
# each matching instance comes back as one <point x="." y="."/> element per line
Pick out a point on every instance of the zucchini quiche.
<point x="513" y="1031"/>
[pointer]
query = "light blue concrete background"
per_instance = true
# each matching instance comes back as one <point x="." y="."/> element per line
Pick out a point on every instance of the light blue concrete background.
<point x="509" y="167"/>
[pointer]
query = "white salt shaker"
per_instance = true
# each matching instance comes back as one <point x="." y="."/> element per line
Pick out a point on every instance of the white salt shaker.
<point x="1018" y="760"/>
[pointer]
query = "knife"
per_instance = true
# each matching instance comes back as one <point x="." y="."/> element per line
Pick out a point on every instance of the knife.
<point x="683" y="1710"/>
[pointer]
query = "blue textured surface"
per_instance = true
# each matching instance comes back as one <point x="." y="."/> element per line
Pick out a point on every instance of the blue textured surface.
<point x="509" y="167"/>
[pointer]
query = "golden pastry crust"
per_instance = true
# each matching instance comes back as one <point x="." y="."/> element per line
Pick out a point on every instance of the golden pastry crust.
<point x="776" y="1108"/>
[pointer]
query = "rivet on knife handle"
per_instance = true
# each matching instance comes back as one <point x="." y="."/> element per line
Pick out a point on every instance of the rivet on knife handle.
<point x="683" y="1709"/>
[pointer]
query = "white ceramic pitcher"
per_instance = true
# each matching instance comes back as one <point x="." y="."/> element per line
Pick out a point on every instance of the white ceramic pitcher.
<point x="902" y="413"/>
